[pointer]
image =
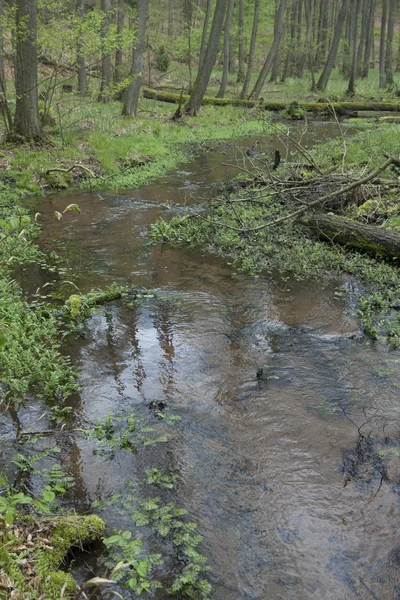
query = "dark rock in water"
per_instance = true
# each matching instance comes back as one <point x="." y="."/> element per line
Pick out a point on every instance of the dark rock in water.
<point x="157" y="405"/>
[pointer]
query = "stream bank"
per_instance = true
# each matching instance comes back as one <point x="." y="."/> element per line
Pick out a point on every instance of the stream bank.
<point x="251" y="365"/>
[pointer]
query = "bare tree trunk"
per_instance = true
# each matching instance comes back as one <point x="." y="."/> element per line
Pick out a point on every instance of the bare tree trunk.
<point x="369" y="42"/>
<point x="278" y="28"/>
<point x="205" y="32"/>
<point x="227" y="35"/>
<point x="118" y="74"/>
<point x="231" y="66"/>
<point x="188" y="12"/>
<point x="203" y="76"/>
<point x="326" y="73"/>
<point x="81" y="62"/>
<point x="241" y="74"/>
<point x="27" y="121"/>
<point x="309" y="12"/>
<point x="323" y="28"/>
<point x="389" y="42"/>
<point x="4" y="107"/>
<point x="363" y="33"/>
<point x="354" y="45"/>
<point x="382" y="45"/>
<point x="105" y="86"/>
<point x="246" y="85"/>
<point x="133" y="92"/>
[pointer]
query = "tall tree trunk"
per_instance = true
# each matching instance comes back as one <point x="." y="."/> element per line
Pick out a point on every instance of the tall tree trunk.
<point x="118" y="74"/>
<point x="246" y="85"/>
<point x="278" y="29"/>
<point x="389" y="42"/>
<point x="382" y="45"/>
<point x="27" y="121"/>
<point x="188" y="12"/>
<point x="133" y="92"/>
<point x="105" y="86"/>
<point x="363" y="33"/>
<point x="326" y="73"/>
<point x="323" y="28"/>
<point x="369" y="42"/>
<point x="354" y="46"/>
<point x="204" y="34"/>
<point x="231" y="67"/>
<point x="309" y="12"/>
<point x="81" y="62"/>
<point x="241" y="74"/>
<point x="227" y="37"/>
<point x="4" y="107"/>
<point x="203" y="76"/>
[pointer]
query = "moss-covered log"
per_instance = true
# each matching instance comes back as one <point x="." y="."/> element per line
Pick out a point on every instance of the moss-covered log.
<point x="32" y="555"/>
<point x="366" y="238"/>
<point x="341" y="108"/>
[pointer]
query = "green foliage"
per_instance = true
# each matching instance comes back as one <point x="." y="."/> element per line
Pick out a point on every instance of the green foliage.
<point x="9" y="505"/>
<point x="288" y="249"/>
<point x="30" y="357"/>
<point x="155" y="477"/>
<point x="162" y="61"/>
<point x="167" y="521"/>
<point x="137" y="568"/>
<point x="126" y="432"/>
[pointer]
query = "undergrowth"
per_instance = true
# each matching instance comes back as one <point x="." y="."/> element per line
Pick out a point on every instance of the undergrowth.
<point x="291" y="251"/>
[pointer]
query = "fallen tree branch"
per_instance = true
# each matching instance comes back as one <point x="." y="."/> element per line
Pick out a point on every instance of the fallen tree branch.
<point x="343" y="190"/>
<point x="340" y="108"/>
<point x="367" y="238"/>
<point x="77" y="166"/>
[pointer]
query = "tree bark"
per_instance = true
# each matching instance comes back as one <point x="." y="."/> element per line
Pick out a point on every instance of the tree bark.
<point x="278" y="29"/>
<point x="382" y="45"/>
<point x="389" y="42"/>
<point x="203" y="76"/>
<point x="4" y="107"/>
<point x="369" y="39"/>
<point x="105" y="86"/>
<point x="351" y="90"/>
<point x="246" y="85"/>
<point x="366" y="238"/>
<point x="309" y="12"/>
<point x="326" y="73"/>
<point x="81" y="62"/>
<point x="204" y="34"/>
<point x="241" y="74"/>
<point x="227" y="37"/>
<point x="323" y="29"/>
<point x="118" y="74"/>
<point x="27" y="123"/>
<point x="133" y="92"/>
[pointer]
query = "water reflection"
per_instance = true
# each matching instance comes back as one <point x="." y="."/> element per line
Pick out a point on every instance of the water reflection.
<point x="259" y="456"/>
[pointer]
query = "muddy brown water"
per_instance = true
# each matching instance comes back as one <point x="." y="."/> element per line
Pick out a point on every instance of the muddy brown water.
<point x="260" y="458"/>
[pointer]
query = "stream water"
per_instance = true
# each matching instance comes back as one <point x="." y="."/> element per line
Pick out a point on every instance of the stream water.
<point x="270" y="465"/>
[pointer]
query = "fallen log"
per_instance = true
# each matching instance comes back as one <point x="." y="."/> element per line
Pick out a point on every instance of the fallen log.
<point x="374" y="240"/>
<point x="340" y="108"/>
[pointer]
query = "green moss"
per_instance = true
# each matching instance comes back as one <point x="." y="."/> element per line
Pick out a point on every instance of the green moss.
<point x="58" y="180"/>
<point x="44" y="577"/>
<point x="75" y="304"/>
<point x="70" y="532"/>
<point x="56" y="581"/>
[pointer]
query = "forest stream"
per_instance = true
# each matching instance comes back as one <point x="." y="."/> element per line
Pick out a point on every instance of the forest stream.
<point x="288" y="448"/>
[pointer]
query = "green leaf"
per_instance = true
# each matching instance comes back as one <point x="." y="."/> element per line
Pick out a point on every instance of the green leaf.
<point x="48" y="496"/>
<point x="72" y="207"/>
